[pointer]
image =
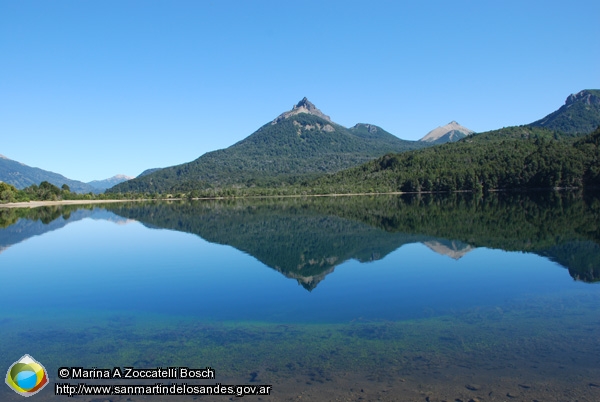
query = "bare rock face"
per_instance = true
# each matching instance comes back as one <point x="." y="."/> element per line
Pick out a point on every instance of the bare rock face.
<point x="304" y="106"/>
<point x="450" y="132"/>
<point x="583" y="96"/>
<point x="370" y="128"/>
<point x="328" y="128"/>
<point x="307" y="127"/>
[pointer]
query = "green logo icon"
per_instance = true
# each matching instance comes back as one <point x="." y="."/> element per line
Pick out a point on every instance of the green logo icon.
<point x="27" y="376"/>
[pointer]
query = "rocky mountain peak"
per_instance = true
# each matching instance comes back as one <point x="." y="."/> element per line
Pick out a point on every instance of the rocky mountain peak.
<point x="450" y="132"/>
<point x="304" y="106"/>
<point x="305" y="103"/>
<point x="585" y="96"/>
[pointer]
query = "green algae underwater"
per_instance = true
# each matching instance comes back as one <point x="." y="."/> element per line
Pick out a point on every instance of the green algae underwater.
<point x="536" y="340"/>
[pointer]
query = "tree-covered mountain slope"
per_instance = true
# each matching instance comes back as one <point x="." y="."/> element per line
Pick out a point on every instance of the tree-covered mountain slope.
<point x="510" y="158"/>
<point x="21" y="176"/>
<point x="579" y="115"/>
<point x="299" y="143"/>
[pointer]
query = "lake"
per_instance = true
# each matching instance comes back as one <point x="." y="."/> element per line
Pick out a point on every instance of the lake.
<point x="367" y="298"/>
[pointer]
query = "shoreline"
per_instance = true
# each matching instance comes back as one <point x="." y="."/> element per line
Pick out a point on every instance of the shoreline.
<point x="37" y="204"/>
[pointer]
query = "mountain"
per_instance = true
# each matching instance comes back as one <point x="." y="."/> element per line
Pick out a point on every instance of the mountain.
<point x="579" y="115"/>
<point x="300" y="143"/>
<point x="370" y="131"/>
<point x="451" y="132"/>
<point x="21" y="176"/>
<point x="101" y="185"/>
<point x="510" y="158"/>
<point x="543" y="154"/>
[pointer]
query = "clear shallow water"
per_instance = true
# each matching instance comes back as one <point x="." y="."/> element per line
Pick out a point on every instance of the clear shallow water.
<point x="162" y="285"/>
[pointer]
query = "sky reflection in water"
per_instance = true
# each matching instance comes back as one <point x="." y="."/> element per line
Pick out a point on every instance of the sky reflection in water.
<point x="275" y="292"/>
<point x="99" y="265"/>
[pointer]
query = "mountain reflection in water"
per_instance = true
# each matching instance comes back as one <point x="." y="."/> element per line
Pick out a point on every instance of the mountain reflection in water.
<point x="306" y="238"/>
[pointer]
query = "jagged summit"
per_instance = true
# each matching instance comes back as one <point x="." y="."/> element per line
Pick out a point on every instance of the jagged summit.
<point x="304" y="106"/>
<point x="449" y="133"/>
<point x="588" y="96"/>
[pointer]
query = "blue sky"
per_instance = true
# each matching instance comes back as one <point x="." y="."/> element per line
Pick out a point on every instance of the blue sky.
<point x="92" y="89"/>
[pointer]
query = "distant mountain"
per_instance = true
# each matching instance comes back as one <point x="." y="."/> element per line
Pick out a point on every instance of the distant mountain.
<point x="579" y="115"/>
<point x="299" y="143"/>
<point x="451" y="132"/>
<point x="371" y="131"/>
<point x="21" y="176"/>
<point x="102" y="185"/>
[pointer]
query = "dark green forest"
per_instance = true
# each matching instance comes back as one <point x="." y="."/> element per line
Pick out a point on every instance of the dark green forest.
<point x="512" y="158"/>
<point x="44" y="192"/>
<point x="47" y="192"/>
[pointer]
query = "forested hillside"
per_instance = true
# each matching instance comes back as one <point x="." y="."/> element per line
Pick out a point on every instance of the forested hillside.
<point x="298" y="144"/>
<point x="511" y="158"/>
<point x="578" y="116"/>
<point x="20" y="175"/>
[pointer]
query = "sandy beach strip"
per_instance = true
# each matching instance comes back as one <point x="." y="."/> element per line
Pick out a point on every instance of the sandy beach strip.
<point x="36" y="204"/>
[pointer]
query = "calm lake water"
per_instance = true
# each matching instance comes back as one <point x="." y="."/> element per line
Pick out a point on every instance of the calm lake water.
<point x="388" y="298"/>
